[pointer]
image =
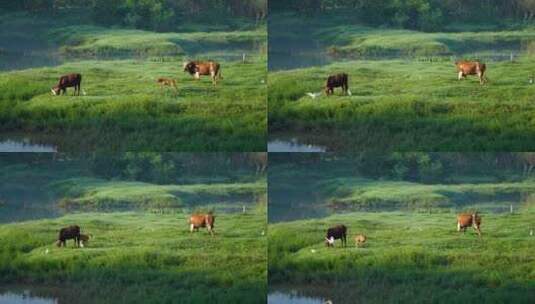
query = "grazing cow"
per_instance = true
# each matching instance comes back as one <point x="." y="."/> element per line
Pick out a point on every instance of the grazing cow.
<point x="471" y="68"/>
<point x="465" y="220"/>
<point x="360" y="239"/>
<point x="166" y="82"/>
<point x="66" y="81"/>
<point x="336" y="232"/>
<point x="68" y="233"/>
<point x="198" y="68"/>
<point x="197" y="221"/>
<point x="84" y="239"/>
<point x="335" y="81"/>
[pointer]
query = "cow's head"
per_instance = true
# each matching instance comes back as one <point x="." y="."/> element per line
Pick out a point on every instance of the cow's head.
<point x="58" y="243"/>
<point x="190" y="67"/>
<point x="329" y="241"/>
<point x="55" y="90"/>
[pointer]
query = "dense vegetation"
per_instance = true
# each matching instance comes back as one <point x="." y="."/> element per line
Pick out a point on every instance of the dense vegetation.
<point x="411" y="181"/>
<point x="148" y="181"/>
<point x="409" y="257"/>
<point x="148" y="258"/>
<point x="160" y="15"/>
<point x="426" y="15"/>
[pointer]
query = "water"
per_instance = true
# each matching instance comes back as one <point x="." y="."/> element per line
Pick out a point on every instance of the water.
<point x="24" y="297"/>
<point x="292" y="146"/>
<point x="19" y="60"/>
<point x="289" y="298"/>
<point x="25" y="145"/>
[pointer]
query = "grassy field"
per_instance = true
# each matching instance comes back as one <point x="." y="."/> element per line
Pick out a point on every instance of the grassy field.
<point x="149" y="258"/>
<point x="124" y="109"/>
<point x="361" y="192"/>
<point x="405" y="92"/>
<point x="409" y="258"/>
<point x="407" y="105"/>
<point x="92" y="193"/>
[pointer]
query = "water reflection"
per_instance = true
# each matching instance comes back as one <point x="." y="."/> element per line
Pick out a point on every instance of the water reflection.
<point x="292" y="146"/>
<point x="24" y="297"/>
<point x="292" y="298"/>
<point x="25" y="145"/>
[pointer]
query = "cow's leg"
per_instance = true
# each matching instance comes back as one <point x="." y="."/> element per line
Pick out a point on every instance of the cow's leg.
<point x="191" y="228"/>
<point x="460" y="76"/>
<point x="210" y="230"/>
<point x="213" y="75"/>
<point x="458" y="227"/>
<point x="197" y="75"/>
<point x="480" y="76"/>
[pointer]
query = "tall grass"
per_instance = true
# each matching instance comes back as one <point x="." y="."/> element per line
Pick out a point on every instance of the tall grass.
<point x="125" y="109"/>
<point x="148" y="258"/>
<point x="406" y="105"/>
<point x="408" y="258"/>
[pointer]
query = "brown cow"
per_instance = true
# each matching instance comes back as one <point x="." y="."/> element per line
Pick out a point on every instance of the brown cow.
<point x="335" y="81"/>
<point x="68" y="233"/>
<point x="67" y="81"/>
<point x="471" y="68"/>
<point x="360" y="239"/>
<point x="167" y="82"/>
<point x="465" y="220"/>
<point x="198" y="68"/>
<point x="84" y="239"/>
<point x="197" y="221"/>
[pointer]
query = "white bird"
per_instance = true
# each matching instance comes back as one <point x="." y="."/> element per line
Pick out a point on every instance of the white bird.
<point x="83" y="92"/>
<point x="349" y="92"/>
<point x="262" y="81"/>
<point x="313" y="95"/>
<point x="530" y="80"/>
<point x="313" y="250"/>
<point x="46" y="251"/>
<point x="531" y="232"/>
<point x="263" y="233"/>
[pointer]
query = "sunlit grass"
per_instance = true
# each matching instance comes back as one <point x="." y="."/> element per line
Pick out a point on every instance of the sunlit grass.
<point x="414" y="257"/>
<point x="153" y="257"/>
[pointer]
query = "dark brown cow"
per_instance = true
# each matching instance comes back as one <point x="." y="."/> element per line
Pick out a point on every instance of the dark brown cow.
<point x="197" y="221"/>
<point x="334" y="233"/>
<point x="471" y="68"/>
<point x="68" y="233"/>
<point x="198" y="68"/>
<point x="335" y="81"/>
<point x="465" y="220"/>
<point x="67" y="81"/>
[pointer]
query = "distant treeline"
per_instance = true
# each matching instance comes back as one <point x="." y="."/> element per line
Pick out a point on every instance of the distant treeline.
<point x="147" y="14"/>
<point x="413" y="166"/>
<point x="161" y="168"/>
<point x="428" y="15"/>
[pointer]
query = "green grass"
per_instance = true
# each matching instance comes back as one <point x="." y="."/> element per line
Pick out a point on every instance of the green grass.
<point x="94" y="41"/>
<point x="361" y="192"/>
<point x="356" y="40"/>
<point x="409" y="258"/>
<point x="407" y="105"/>
<point x="148" y="258"/>
<point x="93" y="193"/>
<point x="125" y="109"/>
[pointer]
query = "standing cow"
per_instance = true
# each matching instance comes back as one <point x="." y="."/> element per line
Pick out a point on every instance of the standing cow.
<point x="67" y="81"/>
<point x="198" y="68"/>
<point x="465" y="220"/>
<point x="334" y="233"/>
<point x="69" y="233"/>
<point x="197" y="221"/>
<point x="335" y="81"/>
<point x="471" y="68"/>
